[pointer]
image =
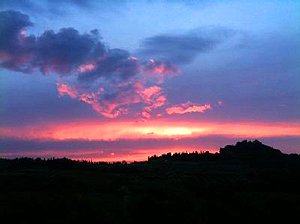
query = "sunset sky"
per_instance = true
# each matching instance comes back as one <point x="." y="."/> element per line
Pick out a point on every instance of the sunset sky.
<point x="123" y="80"/>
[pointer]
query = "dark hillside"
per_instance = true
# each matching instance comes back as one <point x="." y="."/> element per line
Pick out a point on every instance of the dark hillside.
<point x="246" y="183"/>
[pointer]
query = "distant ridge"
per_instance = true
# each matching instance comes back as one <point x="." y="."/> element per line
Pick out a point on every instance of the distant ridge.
<point x="244" y="150"/>
<point x="248" y="150"/>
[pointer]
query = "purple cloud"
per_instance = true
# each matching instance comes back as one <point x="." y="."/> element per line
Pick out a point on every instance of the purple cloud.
<point x="112" y="81"/>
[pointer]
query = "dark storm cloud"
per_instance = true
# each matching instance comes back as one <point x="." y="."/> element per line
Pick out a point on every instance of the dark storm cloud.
<point x="61" y="52"/>
<point x="11" y="22"/>
<point x="64" y="51"/>
<point x="14" y="52"/>
<point x="183" y="48"/>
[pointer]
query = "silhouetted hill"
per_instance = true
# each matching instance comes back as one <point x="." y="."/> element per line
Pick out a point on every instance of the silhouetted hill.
<point x="244" y="150"/>
<point x="250" y="150"/>
<point x="245" y="183"/>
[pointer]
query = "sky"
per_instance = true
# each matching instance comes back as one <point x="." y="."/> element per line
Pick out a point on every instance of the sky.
<point x="124" y="80"/>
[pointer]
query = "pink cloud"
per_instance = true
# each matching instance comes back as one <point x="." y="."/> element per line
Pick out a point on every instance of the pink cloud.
<point x="158" y="67"/>
<point x="188" y="107"/>
<point x="86" y="68"/>
<point x="125" y="96"/>
<point x="159" y="70"/>
<point x="149" y="93"/>
<point x="154" y="98"/>
<point x="106" y="108"/>
<point x="64" y="89"/>
<point x="147" y="99"/>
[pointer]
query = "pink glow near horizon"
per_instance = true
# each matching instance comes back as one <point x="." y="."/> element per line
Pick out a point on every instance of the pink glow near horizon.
<point x="159" y="129"/>
<point x="99" y="155"/>
<point x="141" y="155"/>
<point x="151" y="129"/>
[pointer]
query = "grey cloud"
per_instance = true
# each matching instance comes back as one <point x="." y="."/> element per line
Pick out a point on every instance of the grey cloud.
<point x="59" y="52"/>
<point x="65" y="50"/>
<point x="115" y="62"/>
<point x="183" y="48"/>
<point x="14" y="52"/>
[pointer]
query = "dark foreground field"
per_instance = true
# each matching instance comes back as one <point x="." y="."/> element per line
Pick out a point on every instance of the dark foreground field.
<point x="246" y="183"/>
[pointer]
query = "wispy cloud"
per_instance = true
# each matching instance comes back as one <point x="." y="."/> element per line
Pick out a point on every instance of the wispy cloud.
<point x="184" y="48"/>
<point x="127" y="94"/>
<point x="188" y="107"/>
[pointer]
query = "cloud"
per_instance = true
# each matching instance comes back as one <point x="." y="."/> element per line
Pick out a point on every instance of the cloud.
<point x="64" y="52"/>
<point x="157" y="67"/>
<point x="112" y="81"/>
<point x="125" y="95"/>
<point x="68" y="52"/>
<point x="15" y="49"/>
<point x="59" y="52"/>
<point x="64" y="89"/>
<point x="188" y="107"/>
<point x="154" y="98"/>
<point x="114" y="62"/>
<point x="183" y="48"/>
